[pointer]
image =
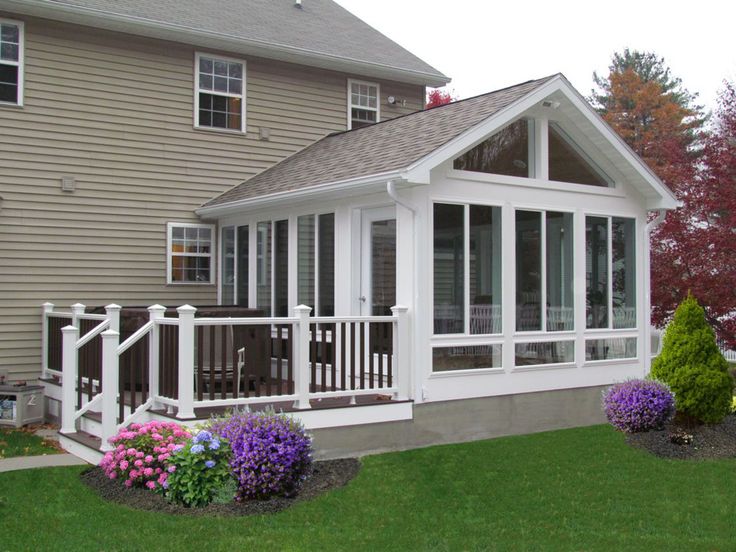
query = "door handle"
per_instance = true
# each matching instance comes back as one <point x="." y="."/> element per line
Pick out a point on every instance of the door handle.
<point x="362" y="299"/>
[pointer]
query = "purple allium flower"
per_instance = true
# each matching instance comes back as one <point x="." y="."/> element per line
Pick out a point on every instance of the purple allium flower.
<point x="638" y="405"/>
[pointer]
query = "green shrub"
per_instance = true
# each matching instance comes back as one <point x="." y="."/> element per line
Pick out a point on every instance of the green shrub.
<point x="693" y="366"/>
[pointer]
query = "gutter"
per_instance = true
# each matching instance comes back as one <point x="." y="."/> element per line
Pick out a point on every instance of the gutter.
<point x="391" y="190"/>
<point x="656" y="221"/>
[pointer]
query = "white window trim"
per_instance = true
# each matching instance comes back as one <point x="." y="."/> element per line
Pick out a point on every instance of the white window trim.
<point x="20" y="63"/>
<point x="213" y="253"/>
<point x="242" y="95"/>
<point x="350" y="100"/>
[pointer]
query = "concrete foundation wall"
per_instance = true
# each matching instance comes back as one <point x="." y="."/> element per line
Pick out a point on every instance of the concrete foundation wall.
<point x="466" y="420"/>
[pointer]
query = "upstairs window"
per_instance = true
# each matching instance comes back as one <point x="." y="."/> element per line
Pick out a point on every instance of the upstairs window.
<point x="219" y="100"/>
<point x="362" y="104"/>
<point x="190" y="253"/>
<point x="11" y="62"/>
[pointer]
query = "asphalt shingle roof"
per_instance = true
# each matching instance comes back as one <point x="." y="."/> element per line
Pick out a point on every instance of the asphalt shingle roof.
<point x="391" y="145"/>
<point x="319" y="26"/>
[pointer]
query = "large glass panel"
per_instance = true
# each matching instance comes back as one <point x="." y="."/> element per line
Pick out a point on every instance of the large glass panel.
<point x="610" y="349"/>
<point x="326" y="261"/>
<point x="568" y="163"/>
<point x="485" y="269"/>
<point x="623" y="283"/>
<point x="447" y="359"/>
<point x="243" y="265"/>
<point x="281" y="268"/>
<point x="560" y="312"/>
<point x="507" y="152"/>
<point x="548" y="352"/>
<point x="383" y="266"/>
<point x="528" y="271"/>
<point x="596" y="272"/>
<point x="263" y="269"/>
<point x="227" y="265"/>
<point x="449" y="273"/>
<point x="305" y="261"/>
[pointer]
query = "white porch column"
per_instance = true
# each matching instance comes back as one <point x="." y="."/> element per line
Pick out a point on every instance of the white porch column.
<point x="70" y="336"/>
<point x="155" y="312"/>
<point x="77" y="309"/>
<point x="113" y="313"/>
<point x="186" y="362"/>
<point x="110" y="368"/>
<point x="46" y="309"/>
<point x="301" y="354"/>
<point x="402" y="351"/>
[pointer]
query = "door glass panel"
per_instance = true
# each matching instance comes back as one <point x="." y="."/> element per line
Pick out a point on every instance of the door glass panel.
<point x="596" y="272"/>
<point x="327" y="264"/>
<point x="305" y="261"/>
<point x="281" y="268"/>
<point x="227" y="265"/>
<point x="243" y="266"/>
<point x="263" y="280"/>
<point x="383" y="266"/>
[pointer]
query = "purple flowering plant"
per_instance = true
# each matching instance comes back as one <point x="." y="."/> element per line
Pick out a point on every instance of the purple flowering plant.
<point x="198" y="470"/>
<point x="141" y="453"/>
<point x="271" y="453"/>
<point x="638" y="405"/>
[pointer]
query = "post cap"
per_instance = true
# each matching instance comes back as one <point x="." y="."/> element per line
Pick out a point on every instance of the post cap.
<point x="69" y="328"/>
<point x="110" y="333"/>
<point x="112" y="307"/>
<point x="302" y="308"/>
<point x="186" y="309"/>
<point x="78" y="306"/>
<point x="399" y="309"/>
<point x="156" y="308"/>
<point x="48" y="307"/>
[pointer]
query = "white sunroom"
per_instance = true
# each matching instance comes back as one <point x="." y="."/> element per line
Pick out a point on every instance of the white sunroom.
<point x="513" y="226"/>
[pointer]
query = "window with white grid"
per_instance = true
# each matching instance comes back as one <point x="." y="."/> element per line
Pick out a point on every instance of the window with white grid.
<point x="363" y="107"/>
<point x="219" y="101"/>
<point x="190" y="253"/>
<point x="11" y="62"/>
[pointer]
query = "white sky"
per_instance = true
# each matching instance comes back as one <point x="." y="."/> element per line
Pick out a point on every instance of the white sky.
<point x="485" y="44"/>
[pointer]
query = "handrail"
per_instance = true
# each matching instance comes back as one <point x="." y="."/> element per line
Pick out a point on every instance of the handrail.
<point x="90" y="404"/>
<point x="89" y="316"/>
<point x="244" y="321"/>
<point x="128" y="343"/>
<point x="350" y="319"/>
<point x="137" y="412"/>
<point x="58" y="314"/>
<point x="94" y="332"/>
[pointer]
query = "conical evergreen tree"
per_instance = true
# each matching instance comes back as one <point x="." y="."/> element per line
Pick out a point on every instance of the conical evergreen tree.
<point x="693" y="366"/>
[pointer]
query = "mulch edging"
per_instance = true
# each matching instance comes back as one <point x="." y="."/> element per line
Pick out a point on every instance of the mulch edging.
<point x="709" y="441"/>
<point x="325" y="476"/>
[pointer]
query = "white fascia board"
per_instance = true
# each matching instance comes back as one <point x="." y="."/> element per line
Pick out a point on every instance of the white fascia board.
<point x="420" y="171"/>
<point x="305" y="194"/>
<point x="210" y="39"/>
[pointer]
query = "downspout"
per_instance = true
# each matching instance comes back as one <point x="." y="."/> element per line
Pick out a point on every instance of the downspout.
<point x="391" y="191"/>
<point x="651" y="225"/>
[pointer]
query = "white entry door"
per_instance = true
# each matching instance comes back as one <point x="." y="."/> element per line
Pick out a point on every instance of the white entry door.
<point x="378" y="261"/>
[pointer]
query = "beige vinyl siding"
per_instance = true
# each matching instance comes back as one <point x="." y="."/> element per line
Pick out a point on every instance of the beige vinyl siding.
<point x="115" y="112"/>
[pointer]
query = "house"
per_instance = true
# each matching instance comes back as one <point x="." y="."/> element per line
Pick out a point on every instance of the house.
<point x="471" y="270"/>
<point x="119" y="119"/>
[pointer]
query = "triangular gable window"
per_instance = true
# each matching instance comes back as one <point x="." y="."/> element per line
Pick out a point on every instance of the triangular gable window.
<point x="568" y="163"/>
<point x="507" y="152"/>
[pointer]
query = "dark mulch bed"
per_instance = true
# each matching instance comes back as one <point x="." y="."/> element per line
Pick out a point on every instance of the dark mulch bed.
<point x="325" y="475"/>
<point x="708" y="441"/>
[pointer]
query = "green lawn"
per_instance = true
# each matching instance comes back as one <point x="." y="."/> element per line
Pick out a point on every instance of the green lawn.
<point x="18" y="442"/>
<point x="580" y="489"/>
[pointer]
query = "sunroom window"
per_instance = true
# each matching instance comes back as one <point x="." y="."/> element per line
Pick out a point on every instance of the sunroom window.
<point x="544" y="271"/>
<point x="568" y="162"/>
<point x="507" y="152"/>
<point x="610" y="265"/>
<point x="190" y="252"/>
<point x="362" y="104"/>
<point x="467" y="257"/>
<point x="11" y="62"/>
<point x="220" y="93"/>
<point x="316" y="263"/>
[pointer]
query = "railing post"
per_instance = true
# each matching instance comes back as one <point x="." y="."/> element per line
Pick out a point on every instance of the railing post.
<point x="113" y="313"/>
<point x="46" y="308"/>
<point x="402" y="346"/>
<point x="186" y="362"/>
<point x="301" y="354"/>
<point x="110" y="368"/>
<point x="70" y="336"/>
<point x="155" y="312"/>
<point x="77" y="309"/>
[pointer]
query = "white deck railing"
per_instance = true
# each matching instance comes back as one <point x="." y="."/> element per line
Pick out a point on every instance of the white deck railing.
<point x="327" y="357"/>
